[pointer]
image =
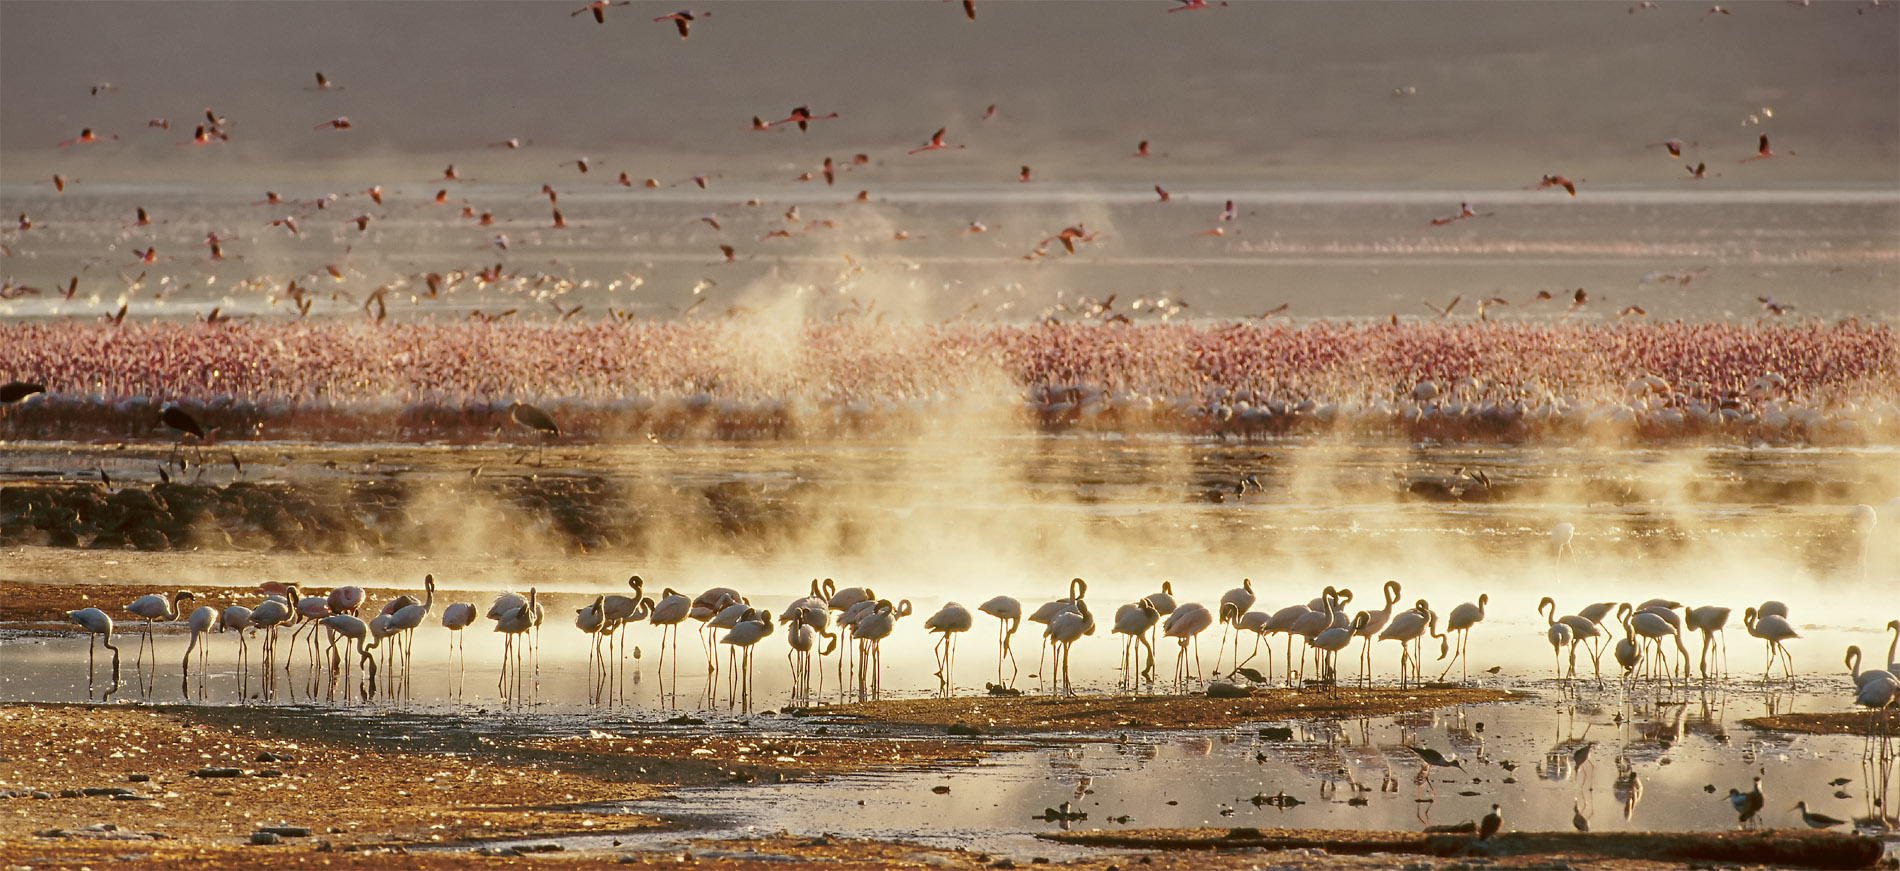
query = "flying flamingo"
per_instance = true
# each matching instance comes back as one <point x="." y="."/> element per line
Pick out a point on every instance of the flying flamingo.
<point x="1464" y="211"/>
<point x="340" y="122"/>
<point x="1555" y="181"/>
<point x="802" y="116"/>
<point x="683" y="19"/>
<point x="1763" y="152"/>
<point x="1189" y="5"/>
<point x="85" y="137"/>
<point x="936" y="142"/>
<point x="599" y="8"/>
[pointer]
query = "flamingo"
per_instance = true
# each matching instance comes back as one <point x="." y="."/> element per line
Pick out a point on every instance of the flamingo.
<point x="201" y="622"/>
<point x="1762" y="151"/>
<point x="1375" y="622"/>
<point x="803" y="635"/>
<point x="1064" y="629"/>
<point x="98" y="625"/>
<point x="1408" y="628"/>
<point x="86" y="137"/>
<point x="355" y="629"/>
<point x="1709" y="620"/>
<point x="1078" y="588"/>
<point x="599" y="8"/>
<point x="237" y="619"/>
<point x="1863" y="678"/>
<point x="1009" y="616"/>
<point x="1187" y="623"/>
<point x="949" y="620"/>
<point x="405" y="619"/>
<point x="752" y="627"/>
<point x="1628" y="653"/>
<point x="455" y="618"/>
<point x="1461" y="620"/>
<point x="936" y="142"/>
<point x="513" y="621"/>
<point x="1654" y="624"/>
<point x="1584" y="631"/>
<point x="1282" y="621"/>
<point x="1773" y="629"/>
<point x="872" y="629"/>
<point x="802" y="116"/>
<point x="1559" y="634"/>
<point x="1561" y="535"/>
<point x="1241" y="598"/>
<point x="683" y="20"/>
<point x="1331" y="642"/>
<point x="1135" y="620"/>
<point x="668" y="613"/>
<point x="156" y="607"/>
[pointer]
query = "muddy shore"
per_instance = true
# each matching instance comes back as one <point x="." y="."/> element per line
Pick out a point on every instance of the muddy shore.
<point x="171" y="786"/>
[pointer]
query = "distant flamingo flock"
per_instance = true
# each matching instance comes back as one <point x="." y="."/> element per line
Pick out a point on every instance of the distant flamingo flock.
<point x="1782" y="384"/>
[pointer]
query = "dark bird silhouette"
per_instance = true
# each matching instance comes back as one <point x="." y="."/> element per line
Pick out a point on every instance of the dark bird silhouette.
<point x="1492" y="822"/>
<point x="179" y="419"/>
<point x="14" y="391"/>
<point x="1746" y="804"/>
<point x="533" y="418"/>
<point x="1814" y="820"/>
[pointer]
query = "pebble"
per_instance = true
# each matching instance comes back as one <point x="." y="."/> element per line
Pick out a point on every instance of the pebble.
<point x="287" y="831"/>
<point x="218" y="772"/>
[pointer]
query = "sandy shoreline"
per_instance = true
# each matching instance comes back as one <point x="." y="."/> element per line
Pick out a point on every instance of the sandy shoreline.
<point x="169" y="786"/>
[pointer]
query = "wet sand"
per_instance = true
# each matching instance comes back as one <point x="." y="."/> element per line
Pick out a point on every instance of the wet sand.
<point x="1104" y="715"/>
<point x="196" y="783"/>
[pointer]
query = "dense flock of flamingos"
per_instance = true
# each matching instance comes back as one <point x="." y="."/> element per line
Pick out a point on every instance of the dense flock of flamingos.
<point x="1645" y="640"/>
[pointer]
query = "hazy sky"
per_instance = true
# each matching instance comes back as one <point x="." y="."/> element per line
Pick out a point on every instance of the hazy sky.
<point x="1300" y="92"/>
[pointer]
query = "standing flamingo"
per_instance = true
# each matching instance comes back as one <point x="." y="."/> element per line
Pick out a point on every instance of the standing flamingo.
<point x="1773" y="629"/>
<point x="1461" y="620"/>
<point x="99" y="626"/>
<point x="1375" y="623"/>
<point x="156" y="607"/>
<point x="200" y="623"/>
<point x="1241" y="598"/>
<point x="1009" y="616"/>
<point x="1065" y="629"/>
<point x="1136" y="620"/>
<point x="1186" y="624"/>
<point x="1560" y="636"/>
<point x="949" y="620"/>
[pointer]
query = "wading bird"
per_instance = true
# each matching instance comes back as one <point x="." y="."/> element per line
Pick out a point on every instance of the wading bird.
<point x="99" y="627"/>
<point x="1462" y="619"/>
<point x="1009" y="616"/>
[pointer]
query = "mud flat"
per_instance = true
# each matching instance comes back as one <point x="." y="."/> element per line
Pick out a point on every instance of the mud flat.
<point x="1836" y="723"/>
<point x="1784" y="848"/>
<point x="1110" y="713"/>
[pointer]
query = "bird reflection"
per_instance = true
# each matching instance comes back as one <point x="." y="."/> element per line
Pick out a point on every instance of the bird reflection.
<point x="1628" y="789"/>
